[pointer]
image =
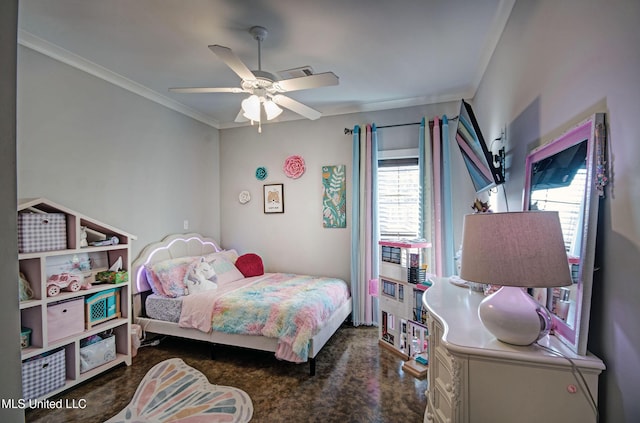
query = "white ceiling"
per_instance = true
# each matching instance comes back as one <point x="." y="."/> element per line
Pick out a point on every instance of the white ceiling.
<point x="387" y="54"/>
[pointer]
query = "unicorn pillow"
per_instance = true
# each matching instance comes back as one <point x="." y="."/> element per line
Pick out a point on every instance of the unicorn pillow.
<point x="200" y="277"/>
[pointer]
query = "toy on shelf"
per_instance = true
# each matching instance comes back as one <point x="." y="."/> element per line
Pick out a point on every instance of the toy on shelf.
<point x="25" y="337"/>
<point x="110" y="276"/>
<point x="83" y="237"/>
<point x="115" y="274"/>
<point x="26" y="293"/>
<point x="102" y="306"/>
<point x="114" y="240"/>
<point x="68" y="281"/>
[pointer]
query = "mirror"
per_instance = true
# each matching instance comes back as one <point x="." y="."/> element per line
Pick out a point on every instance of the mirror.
<point x="567" y="175"/>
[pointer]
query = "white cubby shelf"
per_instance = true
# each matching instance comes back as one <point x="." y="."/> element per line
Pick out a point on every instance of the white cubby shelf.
<point x="39" y="266"/>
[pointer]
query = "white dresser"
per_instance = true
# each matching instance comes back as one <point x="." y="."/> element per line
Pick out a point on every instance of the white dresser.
<point x="473" y="377"/>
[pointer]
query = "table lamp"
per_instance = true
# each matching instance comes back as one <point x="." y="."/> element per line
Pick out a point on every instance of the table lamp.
<point x="515" y="250"/>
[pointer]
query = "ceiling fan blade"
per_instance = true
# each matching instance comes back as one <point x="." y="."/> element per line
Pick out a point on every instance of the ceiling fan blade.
<point x="231" y="60"/>
<point x="296" y="106"/>
<point x="203" y="90"/>
<point x="306" y="82"/>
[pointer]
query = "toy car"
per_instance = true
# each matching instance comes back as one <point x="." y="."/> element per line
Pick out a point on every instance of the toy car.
<point x="69" y="281"/>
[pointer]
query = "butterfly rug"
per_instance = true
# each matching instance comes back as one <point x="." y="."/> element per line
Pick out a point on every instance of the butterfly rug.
<point x="172" y="391"/>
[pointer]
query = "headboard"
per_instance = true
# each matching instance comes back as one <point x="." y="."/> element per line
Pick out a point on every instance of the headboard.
<point x="172" y="246"/>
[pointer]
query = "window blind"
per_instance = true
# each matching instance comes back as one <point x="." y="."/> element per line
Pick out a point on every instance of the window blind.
<point x="398" y="198"/>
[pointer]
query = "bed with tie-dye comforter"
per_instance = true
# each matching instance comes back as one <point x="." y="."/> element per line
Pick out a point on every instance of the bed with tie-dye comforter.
<point x="289" y="307"/>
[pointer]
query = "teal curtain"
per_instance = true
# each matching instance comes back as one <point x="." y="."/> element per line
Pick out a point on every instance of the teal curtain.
<point x="448" y="250"/>
<point x="375" y="227"/>
<point x="426" y="191"/>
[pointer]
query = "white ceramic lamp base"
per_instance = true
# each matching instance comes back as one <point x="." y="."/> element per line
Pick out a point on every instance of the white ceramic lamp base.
<point x="514" y="317"/>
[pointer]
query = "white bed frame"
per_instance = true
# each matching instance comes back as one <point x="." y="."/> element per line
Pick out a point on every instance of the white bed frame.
<point x="193" y="244"/>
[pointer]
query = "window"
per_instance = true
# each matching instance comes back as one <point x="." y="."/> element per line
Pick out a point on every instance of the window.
<point x="399" y="198"/>
<point x="567" y="201"/>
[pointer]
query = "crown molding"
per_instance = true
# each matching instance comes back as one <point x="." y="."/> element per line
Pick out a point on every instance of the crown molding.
<point x="60" y="54"/>
<point x="398" y="104"/>
<point x="56" y="52"/>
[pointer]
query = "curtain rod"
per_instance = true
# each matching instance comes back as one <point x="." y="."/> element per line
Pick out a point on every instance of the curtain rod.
<point x="348" y="131"/>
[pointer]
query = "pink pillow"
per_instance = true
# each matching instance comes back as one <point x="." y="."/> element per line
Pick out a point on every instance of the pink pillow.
<point x="167" y="276"/>
<point x="250" y="265"/>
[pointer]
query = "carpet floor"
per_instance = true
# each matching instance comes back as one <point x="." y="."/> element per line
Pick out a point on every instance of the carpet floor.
<point x="355" y="381"/>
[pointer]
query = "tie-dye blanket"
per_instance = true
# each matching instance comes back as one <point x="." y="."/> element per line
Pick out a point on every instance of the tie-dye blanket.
<point x="289" y="307"/>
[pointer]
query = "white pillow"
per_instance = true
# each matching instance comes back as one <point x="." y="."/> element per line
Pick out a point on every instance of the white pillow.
<point x="231" y="255"/>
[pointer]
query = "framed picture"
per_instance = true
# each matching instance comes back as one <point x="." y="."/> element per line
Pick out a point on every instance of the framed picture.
<point x="273" y="198"/>
<point x="334" y="196"/>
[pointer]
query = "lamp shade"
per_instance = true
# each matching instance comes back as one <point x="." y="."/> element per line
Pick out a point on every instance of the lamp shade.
<point x="251" y="108"/>
<point x="524" y="249"/>
<point x="271" y="109"/>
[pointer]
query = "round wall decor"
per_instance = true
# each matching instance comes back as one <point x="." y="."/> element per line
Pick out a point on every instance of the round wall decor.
<point x="294" y="167"/>
<point x="244" y="197"/>
<point x="261" y="173"/>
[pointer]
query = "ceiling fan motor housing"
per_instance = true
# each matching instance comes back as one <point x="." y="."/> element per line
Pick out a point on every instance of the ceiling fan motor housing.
<point x="265" y="76"/>
<point x="258" y="32"/>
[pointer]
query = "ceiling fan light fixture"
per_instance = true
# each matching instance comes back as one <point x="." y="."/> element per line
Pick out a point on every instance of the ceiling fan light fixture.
<point x="271" y="109"/>
<point x="251" y="108"/>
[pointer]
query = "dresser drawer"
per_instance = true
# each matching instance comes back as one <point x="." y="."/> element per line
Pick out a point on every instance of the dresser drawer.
<point x="442" y="406"/>
<point x="442" y="374"/>
<point x="435" y="331"/>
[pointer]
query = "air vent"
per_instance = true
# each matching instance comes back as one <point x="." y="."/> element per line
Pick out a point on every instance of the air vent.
<point x="296" y="72"/>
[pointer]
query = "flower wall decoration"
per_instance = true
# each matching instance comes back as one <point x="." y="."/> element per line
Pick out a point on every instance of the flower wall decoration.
<point x="261" y="173"/>
<point x="294" y="167"/>
<point x="244" y="197"/>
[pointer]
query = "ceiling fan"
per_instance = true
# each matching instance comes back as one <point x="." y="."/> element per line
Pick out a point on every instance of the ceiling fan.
<point x="265" y="88"/>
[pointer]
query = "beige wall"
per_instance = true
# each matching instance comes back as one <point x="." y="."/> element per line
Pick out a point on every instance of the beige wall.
<point x="113" y="155"/>
<point x="296" y="241"/>
<point x="556" y="63"/>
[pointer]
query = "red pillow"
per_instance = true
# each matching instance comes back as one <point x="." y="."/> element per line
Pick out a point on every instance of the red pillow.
<point x="250" y="265"/>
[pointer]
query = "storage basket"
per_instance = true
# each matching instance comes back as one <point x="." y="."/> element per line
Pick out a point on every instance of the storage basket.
<point x="41" y="232"/>
<point x="102" y="306"/>
<point x="64" y="319"/>
<point x="43" y="374"/>
<point x="98" y="353"/>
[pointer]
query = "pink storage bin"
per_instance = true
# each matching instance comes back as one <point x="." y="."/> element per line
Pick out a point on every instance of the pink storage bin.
<point x="65" y="318"/>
